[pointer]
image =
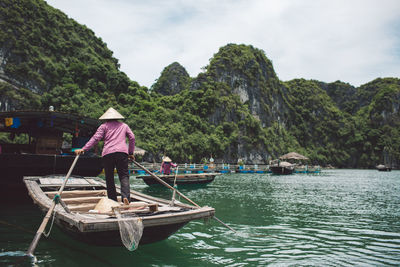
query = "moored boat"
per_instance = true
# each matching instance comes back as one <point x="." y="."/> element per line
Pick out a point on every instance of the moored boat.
<point x="41" y="149"/>
<point x="314" y="169"/>
<point x="383" y="168"/>
<point x="307" y="169"/>
<point x="81" y="221"/>
<point x="301" y="169"/>
<point x="186" y="178"/>
<point x="282" y="168"/>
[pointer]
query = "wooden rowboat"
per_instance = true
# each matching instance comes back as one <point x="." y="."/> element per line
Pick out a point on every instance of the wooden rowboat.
<point x="81" y="196"/>
<point x="186" y="178"/>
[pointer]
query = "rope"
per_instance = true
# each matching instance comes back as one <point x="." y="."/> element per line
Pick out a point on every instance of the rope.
<point x="56" y="199"/>
<point x="51" y="225"/>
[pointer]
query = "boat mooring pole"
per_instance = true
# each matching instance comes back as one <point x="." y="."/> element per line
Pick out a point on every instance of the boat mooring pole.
<point x="42" y="227"/>
<point x="177" y="191"/>
<point x="174" y="192"/>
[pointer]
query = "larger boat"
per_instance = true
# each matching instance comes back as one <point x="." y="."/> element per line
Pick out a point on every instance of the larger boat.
<point x="79" y="218"/>
<point x="42" y="143"/>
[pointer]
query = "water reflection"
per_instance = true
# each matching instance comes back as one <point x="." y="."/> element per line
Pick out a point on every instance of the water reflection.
<point x="337" y="218"/>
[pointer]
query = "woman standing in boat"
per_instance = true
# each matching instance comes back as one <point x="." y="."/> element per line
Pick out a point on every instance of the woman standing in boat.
<point x="166" y="166"/>
<point x="115" y="151"/>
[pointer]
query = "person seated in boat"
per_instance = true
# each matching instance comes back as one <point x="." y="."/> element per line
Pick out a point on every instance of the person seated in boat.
<point x="166" y="166"/>
<point x="116" y="153"/>
<point x="211" y="166"/>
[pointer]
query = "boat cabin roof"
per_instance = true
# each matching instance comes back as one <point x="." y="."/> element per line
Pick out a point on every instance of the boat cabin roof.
<point x="34" y="122"/>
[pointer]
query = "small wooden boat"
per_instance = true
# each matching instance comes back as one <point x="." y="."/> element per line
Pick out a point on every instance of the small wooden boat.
<point x="383" y="168"/>
<point x="307" y="169"/>
<point x="185" y="178"/>
<point x="282" y="168"/>
<point x="81" y="196"/>
<point x="314" y="169"/>
<point x="301" y="169"/>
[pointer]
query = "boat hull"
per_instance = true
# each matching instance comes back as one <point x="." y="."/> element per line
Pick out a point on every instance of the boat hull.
<point x="36" y="164"/>
<point x="112" y="238"/>
<point x="193" y="178"/>
<point x="281" y="170"/>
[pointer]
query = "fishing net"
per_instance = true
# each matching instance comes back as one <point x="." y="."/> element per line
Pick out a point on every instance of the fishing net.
<point x="130" y="229"/>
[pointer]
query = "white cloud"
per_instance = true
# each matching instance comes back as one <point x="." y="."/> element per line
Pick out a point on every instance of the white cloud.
<point x="354" y="41"/>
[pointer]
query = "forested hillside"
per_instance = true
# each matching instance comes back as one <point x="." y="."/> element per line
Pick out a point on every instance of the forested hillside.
<point x="236" y="109"/>
<point x="58" y="62"/>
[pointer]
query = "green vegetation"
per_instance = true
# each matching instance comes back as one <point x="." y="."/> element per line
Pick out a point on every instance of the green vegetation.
<point x="61" y="60"/>
<point x="237" y="108"/>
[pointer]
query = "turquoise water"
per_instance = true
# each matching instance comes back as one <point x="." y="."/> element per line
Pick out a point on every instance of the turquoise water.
<point x="336" y="218"/>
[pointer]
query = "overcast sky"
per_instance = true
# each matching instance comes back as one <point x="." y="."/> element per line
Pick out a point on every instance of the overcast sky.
<point x="354" y="41"/>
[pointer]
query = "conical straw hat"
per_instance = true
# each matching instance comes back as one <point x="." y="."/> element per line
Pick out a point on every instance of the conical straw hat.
<point x="106" y="205"/>
<point x="166" y="159"/>
<point x="111" y="114"/>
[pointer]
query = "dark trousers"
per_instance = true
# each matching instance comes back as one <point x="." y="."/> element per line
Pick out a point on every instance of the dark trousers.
<point x="117" y="160"/>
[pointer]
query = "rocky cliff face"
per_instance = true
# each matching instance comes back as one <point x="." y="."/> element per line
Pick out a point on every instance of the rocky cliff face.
<point x="15" y="98"/>
<point x="173" y="80"/>
<point x="245" y="74"/>
<point x="384" y="103"/>
<point x="250" y="75"/>
<point x="10" y="93"/>
<point x="343" y="94"/>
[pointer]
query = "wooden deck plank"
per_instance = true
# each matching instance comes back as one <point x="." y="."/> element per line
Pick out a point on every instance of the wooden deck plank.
<point x="78" y="193"/>
<point x="82" y="207"/>
<point x="60" y="181"/>
<point x="70" y="185"/>
<point x="81" y="200"/>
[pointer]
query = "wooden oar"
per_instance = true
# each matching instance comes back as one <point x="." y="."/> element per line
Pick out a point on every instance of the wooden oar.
<point x="42" y="227"/>
<point x="177" y="191"/>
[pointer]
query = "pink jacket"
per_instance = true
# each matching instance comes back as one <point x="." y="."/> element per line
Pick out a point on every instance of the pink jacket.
<point x="166" y="167"/>
<point x="114" y="134"/>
